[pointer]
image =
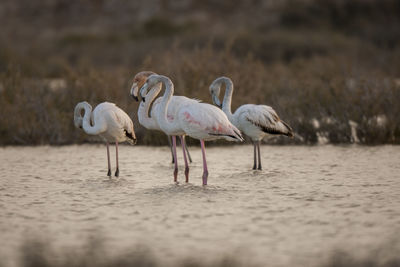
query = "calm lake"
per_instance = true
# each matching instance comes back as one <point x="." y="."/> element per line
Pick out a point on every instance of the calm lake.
<point x="305" y="204"/>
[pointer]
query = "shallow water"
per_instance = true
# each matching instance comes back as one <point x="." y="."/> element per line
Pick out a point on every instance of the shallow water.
<point x="307" y="202"/>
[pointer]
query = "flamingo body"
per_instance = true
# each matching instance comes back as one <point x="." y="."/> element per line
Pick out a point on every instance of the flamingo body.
<point x="174" y="126"/>
<point x="118" y="125"/>
<point x="206" y="122"/>
<point x="258" y="121"/>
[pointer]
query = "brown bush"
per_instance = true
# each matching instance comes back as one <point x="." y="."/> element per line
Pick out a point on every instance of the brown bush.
<point x="310" y="61"/>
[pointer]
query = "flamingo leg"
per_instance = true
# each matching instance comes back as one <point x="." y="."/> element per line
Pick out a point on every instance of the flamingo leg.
<point x="259" y="155"/>
<point x="176" y="160"/>
<point x="205" y="170"/>
<point x="187" y="150"/>
<point x="183" y="143"/>
<point x="108" y="160"/>
<point x="255" y="156"/>
<point x="170" y="147"/>
<point x="116" y="157"/>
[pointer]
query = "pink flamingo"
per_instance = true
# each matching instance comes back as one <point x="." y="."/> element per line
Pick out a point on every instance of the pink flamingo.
<point x="198" y="120"/>
<point x="151" y="123"/>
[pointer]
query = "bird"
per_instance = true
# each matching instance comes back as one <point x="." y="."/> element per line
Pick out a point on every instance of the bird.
<point x="109" y="122"/>
<point x="255" y="121"/>
<point x="147" y="117"/>
<point x="198" y="120"/>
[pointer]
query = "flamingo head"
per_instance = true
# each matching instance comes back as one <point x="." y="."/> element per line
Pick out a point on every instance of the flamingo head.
<point x="215" y="89"/>
<point x="138" y="81"/>
<point x="78" y="118"/>
<point x="78" y="121"/>
<point x="151" y="81"/>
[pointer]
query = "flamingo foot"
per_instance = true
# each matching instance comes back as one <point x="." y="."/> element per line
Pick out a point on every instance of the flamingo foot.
<point x="259" y="168"/>
<point x="205" y="176"/>
<point x="187" y="174"/>
<point x="175" y="175"/>
<point x="117" y="172"/>
<point x="254" y="167"/>
<point x="109" y="173"/>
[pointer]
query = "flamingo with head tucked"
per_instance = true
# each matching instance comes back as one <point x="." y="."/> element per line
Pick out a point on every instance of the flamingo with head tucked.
<point x="255" y="121"/>
<point x="108" y="121"/>
<point x="150" y="121"/>
<point x="198" y="120"/>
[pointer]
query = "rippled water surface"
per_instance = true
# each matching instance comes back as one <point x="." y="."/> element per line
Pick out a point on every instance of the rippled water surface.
<point x="306" y="202"/>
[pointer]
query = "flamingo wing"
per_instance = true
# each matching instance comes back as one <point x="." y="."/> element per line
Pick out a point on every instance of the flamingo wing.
<point x="126" y="124"/>
<point x="205" y="121"/>
<point x="117" y="120"/>
<point x="265" y="118"/>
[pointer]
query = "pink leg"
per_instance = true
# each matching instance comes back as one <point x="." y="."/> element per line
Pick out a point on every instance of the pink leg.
<point x="184" y="157"/>
<point x="170" y="147"/>
<point x="108" y="160"/>
<point x="205" y="170"/>
<point x="176" y="160"/>
<point x="116" y="154"/>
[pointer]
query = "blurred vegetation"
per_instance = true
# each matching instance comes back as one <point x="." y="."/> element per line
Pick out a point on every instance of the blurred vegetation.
<point x="323" y="65"/>
<point x="37" y="253"/>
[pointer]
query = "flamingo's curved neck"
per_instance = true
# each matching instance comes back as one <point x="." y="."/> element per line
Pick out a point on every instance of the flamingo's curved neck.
<point x="169" y="91"/>
<point x="78" y="120"/>
<point x="98" y="126"/>
<point x="144" y="108"/>
<point x="227" y="102"/>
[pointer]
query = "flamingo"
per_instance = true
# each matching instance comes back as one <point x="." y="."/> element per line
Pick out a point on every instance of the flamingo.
<point x="198" y="120"/>
<point x="143" y="112"/>
<point x="255" y="121"/>
<point x="108" y="121"/>
<point x="151" y="123"/>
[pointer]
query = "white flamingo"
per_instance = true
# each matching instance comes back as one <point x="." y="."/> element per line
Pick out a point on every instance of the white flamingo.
<point x="150" y="122"/>
<point x="255" y="121"/>
<point x="108" y="121"/>
<point x="198" y="120"/>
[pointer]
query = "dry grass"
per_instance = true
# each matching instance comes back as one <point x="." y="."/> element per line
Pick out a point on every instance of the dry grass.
<point x="311" y="61"/>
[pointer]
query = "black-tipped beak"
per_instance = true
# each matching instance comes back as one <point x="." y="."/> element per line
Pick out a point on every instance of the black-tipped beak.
<point x="216" y="101"/>
<point x="135" y="97"/>
<point x="134" y="92"/>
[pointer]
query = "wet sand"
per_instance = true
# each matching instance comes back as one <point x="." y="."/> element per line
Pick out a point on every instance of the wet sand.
<point x="307" y="202"/>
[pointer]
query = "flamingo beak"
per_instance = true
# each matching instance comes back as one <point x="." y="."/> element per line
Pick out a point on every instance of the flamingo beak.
<point x="216" y="101"/>
<point x="134" y="91"/>
<point x="143" y="92"/>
